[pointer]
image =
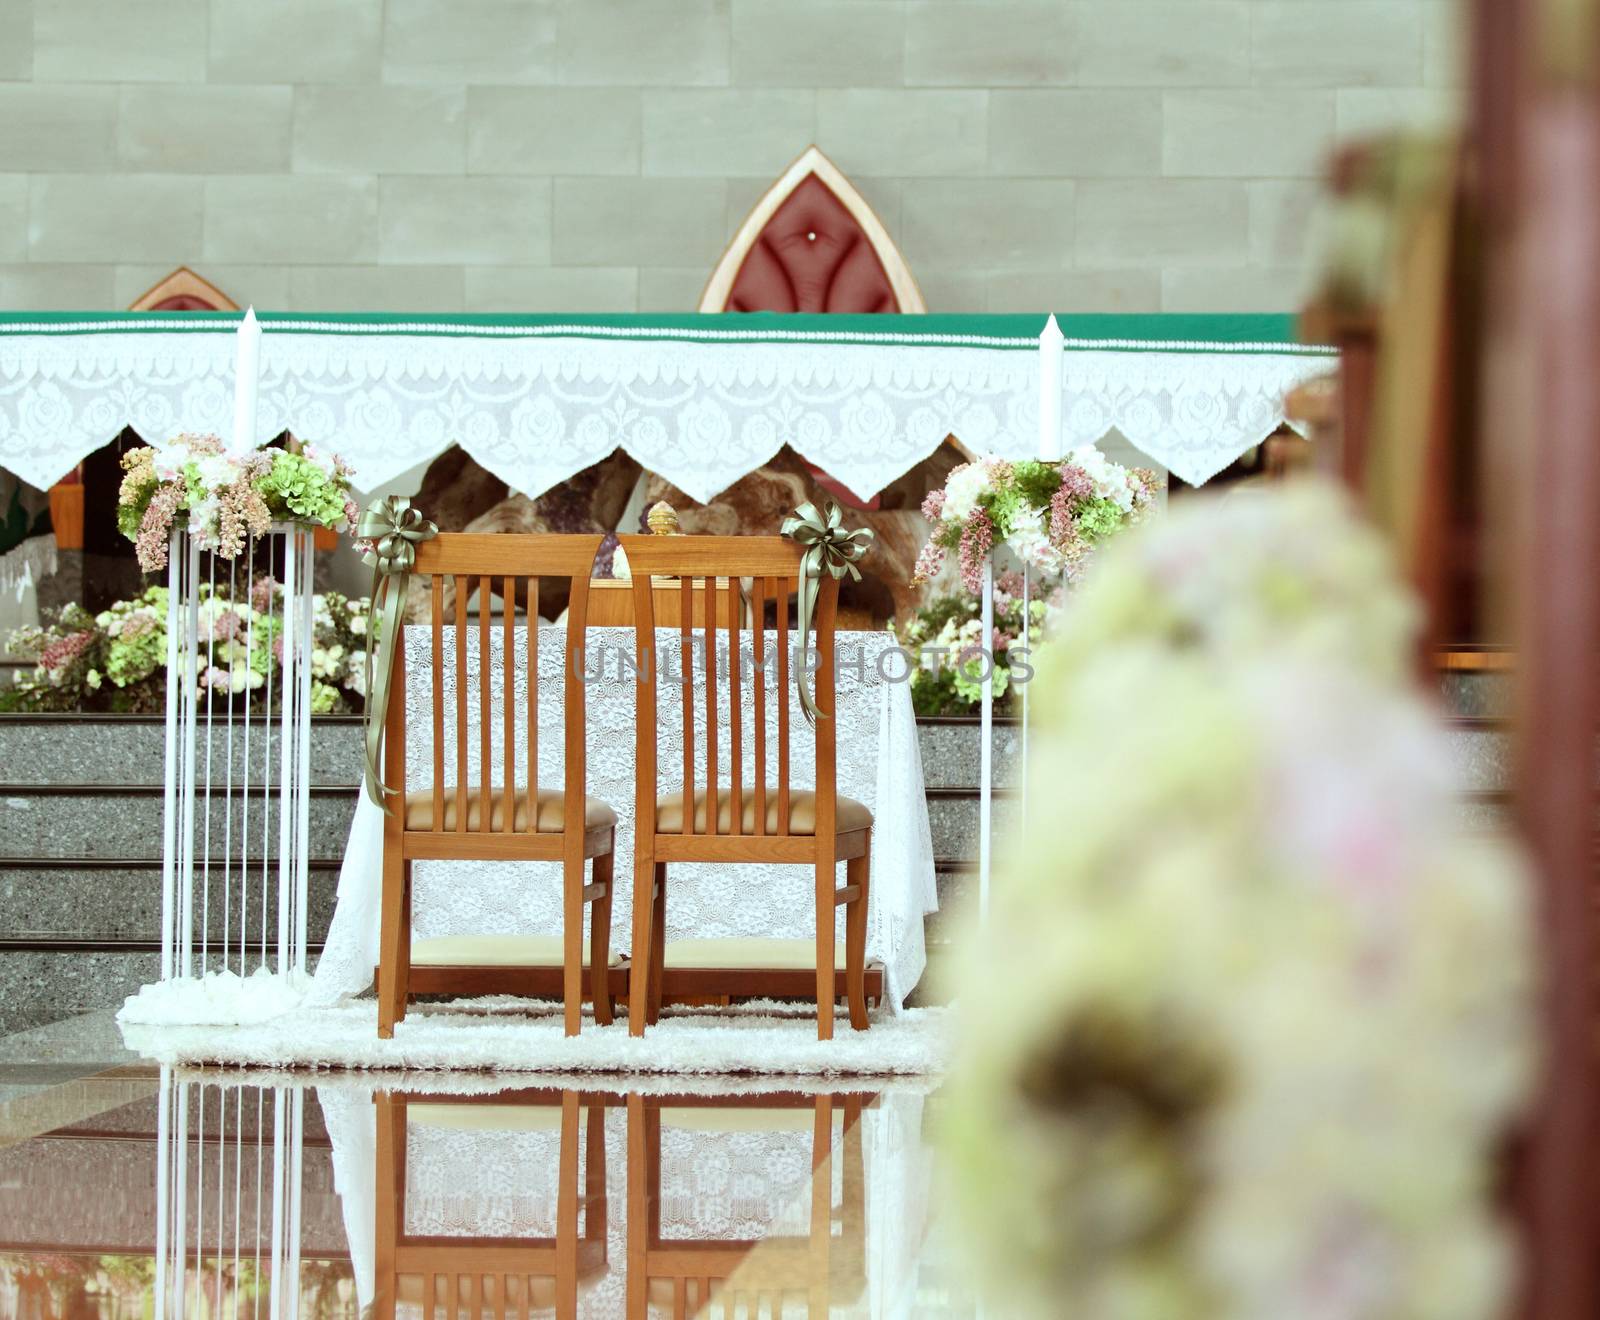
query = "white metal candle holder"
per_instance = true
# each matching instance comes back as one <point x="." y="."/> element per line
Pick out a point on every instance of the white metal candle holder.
<point x="1051" y="345"/>
<point x="237" y="814"/>
<point x="228" y="1201"/>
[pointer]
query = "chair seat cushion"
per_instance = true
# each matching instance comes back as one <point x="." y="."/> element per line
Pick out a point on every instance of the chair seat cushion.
<point x="764" y="952"/>
<point x="485" y="1118"/>
<point x="493" y="951"/>
<point x="848" y="815"/>
<point x="552" y="814"/>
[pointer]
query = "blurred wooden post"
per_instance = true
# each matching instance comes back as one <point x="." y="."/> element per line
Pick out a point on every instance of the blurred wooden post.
<point x="1536" y="120"/>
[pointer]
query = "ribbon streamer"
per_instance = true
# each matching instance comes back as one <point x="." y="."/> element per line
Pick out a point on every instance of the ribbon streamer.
<point x="828" y="549"/>
<point x="395" y="530"/>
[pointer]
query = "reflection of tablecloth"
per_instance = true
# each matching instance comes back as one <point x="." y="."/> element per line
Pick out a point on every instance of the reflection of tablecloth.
<point x="878" y="763"/>
<point x="714" y="1185"/>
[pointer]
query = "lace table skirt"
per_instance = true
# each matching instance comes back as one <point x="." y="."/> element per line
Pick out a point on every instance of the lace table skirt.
<point x="879" y="764"/>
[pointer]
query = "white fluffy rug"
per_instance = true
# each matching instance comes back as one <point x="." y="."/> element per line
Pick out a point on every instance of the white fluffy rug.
<point x="526" y="1036"/>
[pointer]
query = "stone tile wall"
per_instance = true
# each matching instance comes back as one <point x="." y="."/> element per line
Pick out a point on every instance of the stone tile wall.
<point x="556" y="155"/>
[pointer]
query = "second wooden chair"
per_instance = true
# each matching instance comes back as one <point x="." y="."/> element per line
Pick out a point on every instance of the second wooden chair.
<point x="755" y="816"/>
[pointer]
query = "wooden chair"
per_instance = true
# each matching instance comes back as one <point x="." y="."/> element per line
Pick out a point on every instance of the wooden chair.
<point x="512" y="820"/>
<point x="681" y="1277"/>
<point x="753" y="819"/>
<point x="517" y="1277"/>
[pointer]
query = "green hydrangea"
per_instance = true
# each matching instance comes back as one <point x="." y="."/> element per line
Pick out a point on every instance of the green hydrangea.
<point x="968" y="680"/>
<point x="298" y="485"/>
<point x="1099" y="518"/>
<point x="325" y="699"/>
<point x="130" y="660"/>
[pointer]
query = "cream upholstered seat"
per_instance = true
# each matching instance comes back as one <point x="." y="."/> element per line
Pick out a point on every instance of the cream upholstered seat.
<point x="552" y="814"/>
<point x="765" y="952"/>
<point x="485" y="1118"/>
<point x="493" y="951"/>
<point x="850" y="814"/>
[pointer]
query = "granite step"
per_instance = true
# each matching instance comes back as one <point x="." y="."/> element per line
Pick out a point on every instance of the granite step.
<point x="131" y="749"/>
<point x="45" y="901"/>
<point x="112" y="820"/>
<point x="39" y="986"/>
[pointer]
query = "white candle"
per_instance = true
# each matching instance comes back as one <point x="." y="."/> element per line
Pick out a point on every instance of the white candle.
<point x="246" y="380"/>
<point x="1051" y="344"/>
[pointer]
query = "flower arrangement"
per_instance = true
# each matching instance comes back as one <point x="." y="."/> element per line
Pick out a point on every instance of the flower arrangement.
<point x="1050" y="515"/>
<point x="1279" y="1002"/>
<point x="116" y="660"/>
<point x="227" y="497"/>
<point x="947" y="636"/>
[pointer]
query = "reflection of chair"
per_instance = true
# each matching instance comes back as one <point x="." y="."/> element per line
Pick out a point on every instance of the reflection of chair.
<point x="511" y="819"/>
<point x="499" y="1276"/>
<point x="751" y="819"/>
<point x="683" y="1277"/>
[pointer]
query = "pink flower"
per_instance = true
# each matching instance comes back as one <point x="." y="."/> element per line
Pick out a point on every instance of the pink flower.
<point x="977" y="539"/>
<point x="262" y="590"/>
<point x="933" y="505"/>
<point x="1075" y="482"/>
<point x="150" y="546"/>
<point x="226" y="627"/>
<point x="137" y="625"/>
<point x="64" y="650"/>
<point x="929" y="560"/>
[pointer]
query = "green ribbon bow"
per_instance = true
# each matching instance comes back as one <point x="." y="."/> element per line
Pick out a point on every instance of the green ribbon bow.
<point x="828" y="549"/>
<point x="395" y="530"/>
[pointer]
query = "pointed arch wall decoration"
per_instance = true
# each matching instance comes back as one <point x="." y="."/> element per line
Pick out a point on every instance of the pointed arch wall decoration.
<point x="183" y="291"/>
<point x="812" y="244"/>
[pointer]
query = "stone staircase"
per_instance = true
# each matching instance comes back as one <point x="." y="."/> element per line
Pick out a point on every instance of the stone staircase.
<point x="80" y="852"/>
<point x="80" y="838"/>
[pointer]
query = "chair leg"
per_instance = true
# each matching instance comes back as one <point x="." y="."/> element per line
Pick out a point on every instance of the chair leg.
<point x="572" y="944"/>
<point x="658" y="945"/>
<point x="826" y="871"/>
<point x="856" y="872"/>
<point x="394" y="944"/>
<point x="600" y="941"/>
<point x="643" y="932"/>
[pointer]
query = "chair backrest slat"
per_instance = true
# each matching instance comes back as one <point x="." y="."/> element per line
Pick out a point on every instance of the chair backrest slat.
<point x="735" y="742"/>
<point x="686" y="643"/>
<point x="461" y="701"/>
<point x="437" y="628"/>
<point x="485" y="706"/>
<point x="508" y="653"/>
<point x="758" y="616"/>
<point x="708" y="604"/>
<point x="533" y="704"/>
<point x="514" y="565"/>
<point x="773" y="565"/>
<point x="780" y="595"/>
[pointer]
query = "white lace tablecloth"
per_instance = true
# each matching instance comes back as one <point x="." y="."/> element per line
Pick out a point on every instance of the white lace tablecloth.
<point x="714" y="1185"/>
<point x="879" y="764"/>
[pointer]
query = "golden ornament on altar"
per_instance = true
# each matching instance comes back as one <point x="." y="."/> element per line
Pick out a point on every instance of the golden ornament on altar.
<point x="662" y="519"/>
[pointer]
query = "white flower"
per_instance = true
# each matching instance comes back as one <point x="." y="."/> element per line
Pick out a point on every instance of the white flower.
<point x="358" y="624"/>
<point x="92" y="678"/>
<point x="962" y="488"/>
<point x="357" y="678"/>
<point x="217" y="470"/>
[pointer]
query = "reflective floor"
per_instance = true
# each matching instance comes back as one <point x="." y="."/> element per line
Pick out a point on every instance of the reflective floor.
<point x="132" y="1191"/>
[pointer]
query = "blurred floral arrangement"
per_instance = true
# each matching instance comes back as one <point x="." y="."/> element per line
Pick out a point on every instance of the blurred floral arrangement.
<point x="117" y="660"/>
<point x="950" y="627"/>
<point x="1270" y="1007"/>
<point x="1049" y="515"/>
<point x="228" y="497"/>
